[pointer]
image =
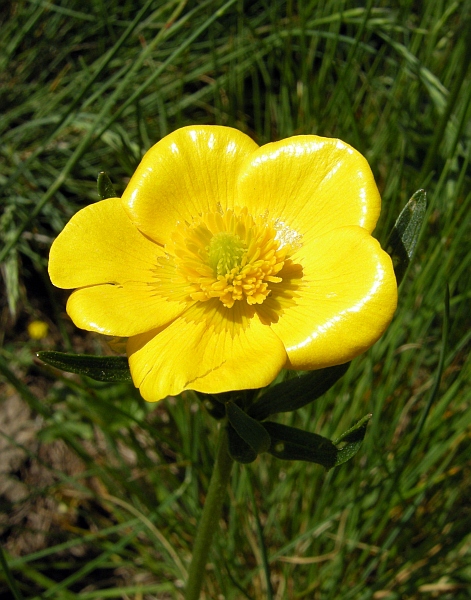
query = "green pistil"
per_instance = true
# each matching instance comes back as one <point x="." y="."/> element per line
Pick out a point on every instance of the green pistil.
<point x="225" y="251"/>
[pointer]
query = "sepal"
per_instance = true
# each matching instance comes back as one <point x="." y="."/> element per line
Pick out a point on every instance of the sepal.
<point x="101" y="368"/>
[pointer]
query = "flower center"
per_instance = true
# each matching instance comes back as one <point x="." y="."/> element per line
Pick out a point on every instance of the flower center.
<point x="225" y="252"/>
<point x="230" y="255"/>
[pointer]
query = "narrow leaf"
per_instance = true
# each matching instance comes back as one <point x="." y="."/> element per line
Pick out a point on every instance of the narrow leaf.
<point x="290" y="443"/>
<point x="101" y="368"/>
<point x="403" y="238"/>
<point x="105" y="187"/>
<point x="297" y="392"/>
<point x="250" y="430"/>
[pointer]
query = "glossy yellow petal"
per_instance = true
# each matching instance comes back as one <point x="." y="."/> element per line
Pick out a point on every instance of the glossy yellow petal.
<point x="312" y="184"/>
<point x="346" y="300"/>
<point x="100" y="251"/>
<point x="210" y="349"/>
<point x="100" y="245"/>
<point x="121" y="310"/>
<point x="189" y="172"/>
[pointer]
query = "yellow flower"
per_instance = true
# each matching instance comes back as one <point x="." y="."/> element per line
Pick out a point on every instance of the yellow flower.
<point x="225" y="262"/>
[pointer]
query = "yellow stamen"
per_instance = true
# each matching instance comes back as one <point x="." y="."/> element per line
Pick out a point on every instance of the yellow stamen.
<point x="231" y="256"/>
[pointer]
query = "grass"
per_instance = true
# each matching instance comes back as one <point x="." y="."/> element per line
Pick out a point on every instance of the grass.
<point x="109" y="489"/>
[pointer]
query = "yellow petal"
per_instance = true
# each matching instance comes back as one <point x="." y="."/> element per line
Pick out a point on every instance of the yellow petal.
<point x="346" y="300"/>
<point x="312" y="184"/>
<point x="100" y="251"/>
<point x="208" y="351"/>
<point x="189" y="172"/>
<point x="121" y="310"/>
<point x="100" y="245"/>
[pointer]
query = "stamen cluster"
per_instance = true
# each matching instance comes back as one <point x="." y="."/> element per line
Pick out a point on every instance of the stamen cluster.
<point x="232" y="256"/>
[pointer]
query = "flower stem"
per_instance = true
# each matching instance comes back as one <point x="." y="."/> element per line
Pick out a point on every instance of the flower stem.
<point x="210" y="517"/>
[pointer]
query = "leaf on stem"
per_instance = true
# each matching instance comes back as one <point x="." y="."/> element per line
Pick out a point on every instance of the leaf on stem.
<point x="101" y="368"/>
<point x="297" y="392"/>
<point x="239" y="450"/>
<point x="250" y="430"/>
<point x="290" y="443"/>
<point x="353" y="438"/>
<point x="402" y="240"/>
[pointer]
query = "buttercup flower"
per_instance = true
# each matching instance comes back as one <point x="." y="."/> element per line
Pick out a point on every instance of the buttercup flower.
<point x="225" y="262"/>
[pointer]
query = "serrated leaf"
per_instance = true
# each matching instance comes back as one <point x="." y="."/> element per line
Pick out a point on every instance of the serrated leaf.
<point x="289" y="443"/>
<point x="297" y="392"/>
<point x="354" y="438"/>
<point x="238" y="449"/>
<point x="105" y="187"/>
<point x="402" y="240"/>
<point x="101" y="368"/>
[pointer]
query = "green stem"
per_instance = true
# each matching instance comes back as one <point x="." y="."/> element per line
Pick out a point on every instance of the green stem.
<point x="210" y="517"/>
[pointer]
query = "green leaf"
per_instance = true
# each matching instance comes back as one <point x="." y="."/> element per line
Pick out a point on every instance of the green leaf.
<point x="296" y="392"/>
<point x="403" y="238"/>
<point x="354" y="438"/>
<point x="105" y="187"/>
<point x="290" y="443"/>
<point x="238" y="449"/>
<point x="251" y="431"/>
<point x="101" y="368"/>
